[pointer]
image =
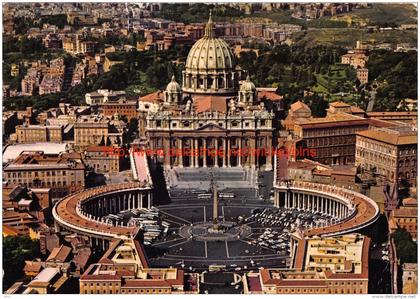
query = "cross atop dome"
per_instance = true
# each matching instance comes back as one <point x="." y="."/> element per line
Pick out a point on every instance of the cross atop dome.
<point x="209" y="31"/>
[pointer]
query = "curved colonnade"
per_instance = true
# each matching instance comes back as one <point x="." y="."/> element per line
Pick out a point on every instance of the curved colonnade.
<point x="83" y="212"/>
<point x="349" y="211"/>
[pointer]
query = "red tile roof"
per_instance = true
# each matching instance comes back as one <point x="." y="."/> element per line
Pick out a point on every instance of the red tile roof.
<point x="153" y="97"/>
<point x="339" y="104"/>
<point x="269" y="95"/>
<point x="59" y="254"/>
<point x="299" y="105"/>
<point x="32" y="266"/>
<point x="210" y="103"/>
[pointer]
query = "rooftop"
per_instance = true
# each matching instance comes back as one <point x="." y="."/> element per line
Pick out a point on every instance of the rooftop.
<point x="394" y="136"/>
<point x="45" y="276"/>
<point x="11" y="152"/>
<point x="210" y="103"/>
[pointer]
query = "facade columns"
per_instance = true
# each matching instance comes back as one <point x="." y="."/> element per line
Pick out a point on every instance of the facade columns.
<point x="298" y="200"/>
<point x="253" y="157"/>
<point x="139" y="203"/>
<point x="225" y="154"/>
<point x="277" y="199"/>
<point x="268" y="163"/>
<point x="240" y="153"/>
<point x="166" y="156"/>
<point x="196" y="155"/>
<point x="228" y="152"/>
<point x="192" y="153"/>
<point x="180" y="154"/>
<point x="216" y="156"/>
<point x="205" y="152"/>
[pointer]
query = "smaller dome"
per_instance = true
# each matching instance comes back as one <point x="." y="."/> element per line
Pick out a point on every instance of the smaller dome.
<point x="173" y="86"/>
<point x="248" y="85"/>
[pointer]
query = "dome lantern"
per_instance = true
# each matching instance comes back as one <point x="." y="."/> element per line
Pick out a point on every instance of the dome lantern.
<point x="209" y="30"/>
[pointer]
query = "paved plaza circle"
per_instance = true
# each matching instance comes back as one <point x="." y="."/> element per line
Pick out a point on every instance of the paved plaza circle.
<point x="192" y="244"/>
<point x="227" y="231"/>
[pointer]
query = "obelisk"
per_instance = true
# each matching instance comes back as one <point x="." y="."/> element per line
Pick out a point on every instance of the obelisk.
<point x="215" y="204"/>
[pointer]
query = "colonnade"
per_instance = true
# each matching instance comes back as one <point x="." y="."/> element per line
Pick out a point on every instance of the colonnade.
<point x="114" y="203"/>
<point x="312" y="203"/>
<point x="235" y="151"/>
<point x="220" y="81"/>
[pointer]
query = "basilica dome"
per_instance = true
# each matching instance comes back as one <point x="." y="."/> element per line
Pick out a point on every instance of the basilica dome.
<point x="210" y="67"/>
<point x="210" y="54"/>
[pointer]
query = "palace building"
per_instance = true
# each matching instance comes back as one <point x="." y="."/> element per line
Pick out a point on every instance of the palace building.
<point x="215" y="119"/>
<point x="322" y="265"/>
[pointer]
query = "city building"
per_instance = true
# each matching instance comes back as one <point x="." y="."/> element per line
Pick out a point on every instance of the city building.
<point x="403" y="116"/>
<point x="362" y="75"/>
<point x="98" y="130"/>
<point x="102" y="96"/>
<point x="39" y="133"/>
<point x="14" y="70"/>
<point x="320" y="265"/>
<point x="74" y="45"/>
<point x="48" y="281"/>
<point x="124" y="269"/>
<point x="405" y="217"/>
<point x="357" y="58"/>
<point x="329" y="140"/>
<point x="30" y="83"/>
<point x="120" y="107"/>
<point x="409" y="278"/>
<point x="388" y="152"/>
<point x="102" y="159"/>
<point x="63" y="174"/>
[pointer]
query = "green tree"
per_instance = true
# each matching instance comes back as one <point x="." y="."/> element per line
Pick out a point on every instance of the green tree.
<point x="406" y="247"/>
<point x="31" y="45"/>
<point x="317" y="105"/>
<point x="15" y="251"/>
<point x="132" y="128"/>
<point x="59" y="20"/>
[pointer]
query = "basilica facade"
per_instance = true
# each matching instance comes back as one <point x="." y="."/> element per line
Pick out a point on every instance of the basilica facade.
<point x="216" y="118"/>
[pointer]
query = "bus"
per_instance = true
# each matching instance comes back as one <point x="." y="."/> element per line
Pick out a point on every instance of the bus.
<point x="204" y="196"/>
<point x="227" y="195"/>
